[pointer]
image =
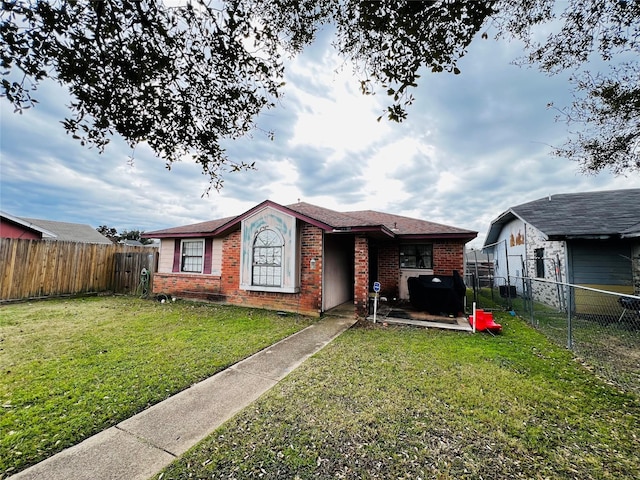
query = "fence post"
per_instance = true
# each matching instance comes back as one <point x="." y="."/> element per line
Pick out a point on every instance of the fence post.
<point x="529" y="297"/>
<point x="569" y="329"/>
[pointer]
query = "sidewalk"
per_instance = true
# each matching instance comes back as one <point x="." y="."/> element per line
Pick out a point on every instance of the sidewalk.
<point x="141" y="446"/>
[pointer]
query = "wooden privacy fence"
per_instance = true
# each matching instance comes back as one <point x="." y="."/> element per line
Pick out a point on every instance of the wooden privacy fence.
<point x="40" y="268"/>
<point x="128" y="270"/>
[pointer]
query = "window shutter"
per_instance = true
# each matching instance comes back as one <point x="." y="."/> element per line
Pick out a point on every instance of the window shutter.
<point x="208" y="250"/>
<point x="176" y="256"/>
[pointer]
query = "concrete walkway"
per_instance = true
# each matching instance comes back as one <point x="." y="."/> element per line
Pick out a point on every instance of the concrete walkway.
<point x="141" y="446"/>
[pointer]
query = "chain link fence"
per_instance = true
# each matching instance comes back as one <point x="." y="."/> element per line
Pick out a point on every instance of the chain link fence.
<point x="601" y="327"/>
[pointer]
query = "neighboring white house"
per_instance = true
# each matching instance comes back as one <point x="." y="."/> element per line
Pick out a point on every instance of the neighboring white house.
<point x="590" y="239"/>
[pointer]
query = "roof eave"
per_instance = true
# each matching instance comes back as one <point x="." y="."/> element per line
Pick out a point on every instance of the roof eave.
<point x="602" y="236"/>
<point x="380" y="231"/>
<point x="468" y="236"/>
<point x="498" y="224"/>
<point x="235" y="222"/>
<point x="178" y="235"/>
<point x="27" y="224"/>
<point x="375" y="230"/>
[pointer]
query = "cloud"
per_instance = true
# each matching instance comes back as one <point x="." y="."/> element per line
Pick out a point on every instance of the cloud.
<point x="473" y="145"/>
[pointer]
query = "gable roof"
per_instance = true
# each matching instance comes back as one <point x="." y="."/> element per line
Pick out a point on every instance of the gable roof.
<point x="70" y="232"/>
<point x="26" y="224"/>
<point x="588" y="215"/>
<point x="367" y="221"/>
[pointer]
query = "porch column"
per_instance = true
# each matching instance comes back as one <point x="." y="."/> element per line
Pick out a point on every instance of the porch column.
<point x="361" y="274"/>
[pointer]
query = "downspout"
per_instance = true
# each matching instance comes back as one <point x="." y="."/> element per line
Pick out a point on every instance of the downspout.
<point x="322" y="279"/>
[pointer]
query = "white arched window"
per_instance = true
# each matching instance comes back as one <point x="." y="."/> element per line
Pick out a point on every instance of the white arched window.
<point x="267" y="259"/>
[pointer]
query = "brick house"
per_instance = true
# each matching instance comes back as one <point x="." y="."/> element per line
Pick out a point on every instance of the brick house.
<point x="303" y="258"/>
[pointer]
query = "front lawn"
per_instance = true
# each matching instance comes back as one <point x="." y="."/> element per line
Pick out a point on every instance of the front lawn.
<point x="429" y="404"/>
<point x="71" y="368"/>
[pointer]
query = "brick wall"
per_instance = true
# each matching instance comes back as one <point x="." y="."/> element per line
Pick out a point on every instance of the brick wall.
<point x="187" y="285"/>
<point x="389" y="269"/>
<point x="448" y="256"/>
<point x="311" y="278"/>
<point x="230" y="272"/>
<point x="307" y="301"/>
<point x="227" y="286"/>
<point x="361" y="283"/>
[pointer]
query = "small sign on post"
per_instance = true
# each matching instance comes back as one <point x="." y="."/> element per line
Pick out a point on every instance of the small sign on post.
<point x="376" y="289"/>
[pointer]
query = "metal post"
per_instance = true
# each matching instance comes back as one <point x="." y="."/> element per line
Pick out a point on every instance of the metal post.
<point x="506" y="255"/>
<point x="475" y="316"/>
<point x="375" y="306"/>
<point x="376" y="290"/>
<point x="474" y="278"/>
<point x="530" y="300"/>
<point x="569" y="330"/>
<point x="557" y="267"/>
<point x="523" y="274"/>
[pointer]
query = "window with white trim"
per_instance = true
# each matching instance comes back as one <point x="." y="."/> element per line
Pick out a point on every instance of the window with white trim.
<point x="269" y="252"/>
<point x="267" y="259"/>
<point x="192" y="256"/>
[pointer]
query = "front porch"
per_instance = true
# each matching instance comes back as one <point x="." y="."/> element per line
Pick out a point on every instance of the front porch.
<point x="404" y="314"/>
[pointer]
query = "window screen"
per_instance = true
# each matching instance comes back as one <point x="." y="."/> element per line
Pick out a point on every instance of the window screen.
<point x="192" y="253"/>
<point x="539" y="256"/>
<point x="267" y="259"/>
<point x="416" y="256"/>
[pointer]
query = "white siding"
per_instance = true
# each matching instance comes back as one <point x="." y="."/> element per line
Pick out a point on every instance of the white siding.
<point x="338" y="271"/>
<point x="165" y="260"/>
<point x="216" y="257"/>
<point x="405" y="274"/>
<point x="509" y="253"/>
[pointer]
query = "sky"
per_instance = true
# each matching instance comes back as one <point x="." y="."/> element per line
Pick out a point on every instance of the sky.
<point x="473" y="145"/>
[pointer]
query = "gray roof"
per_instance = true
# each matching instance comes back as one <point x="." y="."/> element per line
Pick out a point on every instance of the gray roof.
<point x="632" y="231"/>
<point x="70" y="232"/>
<point x="599" y="215"/>
<point x="26" y="224"/>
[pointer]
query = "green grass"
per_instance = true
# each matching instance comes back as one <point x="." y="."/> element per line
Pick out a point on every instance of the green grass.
<point x="414" y="403"/>
<point x="609" y="346"/>
<point x="71" y="368"/>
